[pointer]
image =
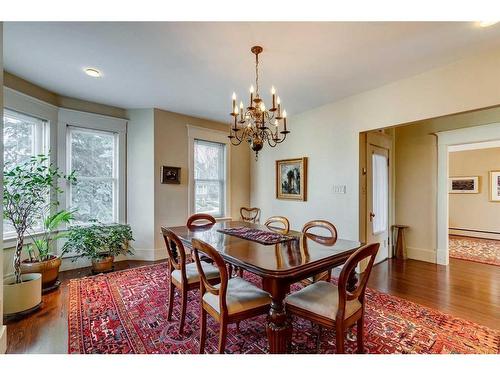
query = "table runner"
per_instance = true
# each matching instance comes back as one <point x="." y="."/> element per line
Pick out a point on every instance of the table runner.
<point x="261" y="236"/>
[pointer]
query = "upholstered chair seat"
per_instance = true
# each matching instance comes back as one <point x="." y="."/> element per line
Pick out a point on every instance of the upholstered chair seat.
<point x="322" y="298"/>
<point x="192" y="274"/>
<point x="241" y="296"/>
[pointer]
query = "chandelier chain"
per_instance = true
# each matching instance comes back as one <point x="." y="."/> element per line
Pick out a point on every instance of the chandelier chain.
<point x="257" y="74"/>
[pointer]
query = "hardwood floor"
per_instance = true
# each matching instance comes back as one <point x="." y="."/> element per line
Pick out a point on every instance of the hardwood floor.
<point x="465" y="289"/>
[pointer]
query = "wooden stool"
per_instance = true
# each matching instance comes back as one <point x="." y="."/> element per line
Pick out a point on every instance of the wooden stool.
<point x="400" y="248"/>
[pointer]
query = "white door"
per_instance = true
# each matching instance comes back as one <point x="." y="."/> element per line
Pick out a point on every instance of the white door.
<point x="378" y="199"/>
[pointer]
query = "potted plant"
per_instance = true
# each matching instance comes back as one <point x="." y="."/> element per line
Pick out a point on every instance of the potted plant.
<point x="41" y="260"/>
<point x="26" y="197"/>
<point x="99" y="242"/>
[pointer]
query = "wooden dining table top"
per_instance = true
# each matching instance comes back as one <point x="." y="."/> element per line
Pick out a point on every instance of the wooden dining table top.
<point x="294" y="258"/>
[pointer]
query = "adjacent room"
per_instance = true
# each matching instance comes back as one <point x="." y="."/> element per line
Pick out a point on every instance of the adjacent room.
<point x="250" y="188"/>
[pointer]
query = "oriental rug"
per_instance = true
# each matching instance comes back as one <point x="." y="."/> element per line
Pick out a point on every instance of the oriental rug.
<point x="126" y="312"/>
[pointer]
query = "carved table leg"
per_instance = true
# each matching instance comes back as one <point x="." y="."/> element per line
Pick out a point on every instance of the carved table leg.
<point x="278" y="328"/>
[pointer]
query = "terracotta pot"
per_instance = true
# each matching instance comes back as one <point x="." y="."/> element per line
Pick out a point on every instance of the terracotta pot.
<point x="103" y="264"/>
<point x="23" y="297"/>
<point x="48" y="268"/>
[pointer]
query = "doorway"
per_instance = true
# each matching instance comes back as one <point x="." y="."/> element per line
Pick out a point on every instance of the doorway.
<point x="453" y="140"/>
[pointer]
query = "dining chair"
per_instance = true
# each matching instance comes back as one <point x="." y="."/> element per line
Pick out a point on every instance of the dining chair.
<point x="278" y="220"/>
<point x="325" y="240"/>
<point x="334" y="306"/>
<point x="252" y="214"/>
<point x="230" y="301"/>
<point x="193" y="222"/>
<point x="182" y="275"/>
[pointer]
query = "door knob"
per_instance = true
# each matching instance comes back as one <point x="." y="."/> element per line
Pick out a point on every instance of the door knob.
<point x="372" y="215"/>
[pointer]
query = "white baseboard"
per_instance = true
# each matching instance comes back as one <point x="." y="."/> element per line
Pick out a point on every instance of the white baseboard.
<point x="424" y="255"/>
<point x="3" y="339"/>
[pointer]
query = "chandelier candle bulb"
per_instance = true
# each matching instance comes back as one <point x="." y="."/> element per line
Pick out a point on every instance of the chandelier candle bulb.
<point x="241" y="111"/>
<point x="251" y="96"/>
<point x="273" y="93"/>
<point x="234" y="99"/>
<point x="284" y="119"/>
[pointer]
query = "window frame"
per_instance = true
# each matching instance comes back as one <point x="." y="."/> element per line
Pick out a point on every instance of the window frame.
<point x="68" y="119"/>
<point x="115" y="174"/>
<point x="221" y="181"/>
<point x="216" y="136"/>
<point x="28" y="106"/>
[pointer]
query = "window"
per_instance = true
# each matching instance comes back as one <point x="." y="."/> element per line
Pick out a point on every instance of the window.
<point x="23" y="137"/>
<point x="93" y="156"/>
<point x="209" y="177"/>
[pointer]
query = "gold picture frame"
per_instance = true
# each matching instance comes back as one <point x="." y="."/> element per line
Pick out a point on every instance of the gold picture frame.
<point x="291" y="179"/>
<point x="494" y="182"/>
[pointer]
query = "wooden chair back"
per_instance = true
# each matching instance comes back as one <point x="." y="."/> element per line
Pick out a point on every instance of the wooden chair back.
<point x="205" y="286"/>
<point x="278" y="219"/>
<point x="319" y="238"/>
<point x="367" y="251"/>
<point x="206" y="219"/>
<point x="176" y="251"/>
<point x="250" y="214"/>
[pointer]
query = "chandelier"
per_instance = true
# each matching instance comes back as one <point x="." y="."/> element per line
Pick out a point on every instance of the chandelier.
<point x="256" y="124"/>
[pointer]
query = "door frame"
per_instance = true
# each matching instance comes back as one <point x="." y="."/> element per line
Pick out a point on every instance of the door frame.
<point x="474" y="134"/>
<point x="383" y="138"/>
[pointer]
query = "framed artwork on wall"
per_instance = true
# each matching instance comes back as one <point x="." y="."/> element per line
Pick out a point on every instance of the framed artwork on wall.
<point x="495" y="186"/>
<point x="170" y="175"/>
<point x="463" y="185"/>
<point x="291" y="179"/>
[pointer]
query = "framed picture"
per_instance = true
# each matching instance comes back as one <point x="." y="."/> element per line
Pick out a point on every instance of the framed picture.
<point x="291" y="179"/>
<point x="463" y="185"/>
<point x="495" y="186"/>
<point x="170" y="175"/>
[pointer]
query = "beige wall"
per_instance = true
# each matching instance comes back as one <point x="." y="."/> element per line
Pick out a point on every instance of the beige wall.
<point x="171" y="149"/>
<point x="416" y="177"/>
<point x="28" y="88"/>
<point x="474" y="211"/>
<point x="329" y="136"/>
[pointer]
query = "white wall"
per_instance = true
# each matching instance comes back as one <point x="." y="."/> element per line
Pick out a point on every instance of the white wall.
<point x="3" y="329"/>
<point x="329" y="136"/>
<point x="140" y="180"/>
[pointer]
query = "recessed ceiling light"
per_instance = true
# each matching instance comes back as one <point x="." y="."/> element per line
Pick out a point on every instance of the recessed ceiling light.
<point x="93" y="72"/>
<point x="486" y="23"/>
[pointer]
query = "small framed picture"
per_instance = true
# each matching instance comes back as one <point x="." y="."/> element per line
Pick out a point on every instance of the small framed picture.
<point x="291" y="179"/>
<point x="463" y="185"/>
<point x="495" y="186"/>
<point x="170" y="175"/>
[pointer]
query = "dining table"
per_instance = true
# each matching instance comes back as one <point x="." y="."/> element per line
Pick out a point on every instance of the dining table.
<point x="279" y="265"/>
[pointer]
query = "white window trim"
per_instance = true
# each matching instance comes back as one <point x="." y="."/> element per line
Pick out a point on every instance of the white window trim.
<point x="69" y="117"/>
<point x="29" y="106"/>
<point x="210" y="135"/>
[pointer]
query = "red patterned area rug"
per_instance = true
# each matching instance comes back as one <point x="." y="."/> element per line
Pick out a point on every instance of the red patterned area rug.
<point x="126" y="312"/>
<point x="475" y="249"/>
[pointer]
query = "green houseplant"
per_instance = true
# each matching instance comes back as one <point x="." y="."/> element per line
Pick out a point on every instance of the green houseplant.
<point x="99" y="242"/>
<point x="41" y="260"/>
<point x="27" y="190"/>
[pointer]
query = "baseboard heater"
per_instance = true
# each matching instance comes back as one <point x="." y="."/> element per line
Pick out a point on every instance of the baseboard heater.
<point x="493" y="235"/>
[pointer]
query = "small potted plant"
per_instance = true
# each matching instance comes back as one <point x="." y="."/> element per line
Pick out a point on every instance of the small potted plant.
<point x="26" y="197"/>
<point x="99" y="242"/>
<point x="41" y="260"/>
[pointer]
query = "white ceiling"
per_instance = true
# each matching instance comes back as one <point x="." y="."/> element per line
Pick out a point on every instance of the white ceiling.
<point x="193" y="68"/>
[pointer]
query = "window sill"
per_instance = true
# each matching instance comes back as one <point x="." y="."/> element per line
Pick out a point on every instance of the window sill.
<point x="10" y="241"/>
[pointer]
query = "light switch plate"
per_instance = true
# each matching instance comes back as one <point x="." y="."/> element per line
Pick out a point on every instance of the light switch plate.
<point x="339" y="189"/>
